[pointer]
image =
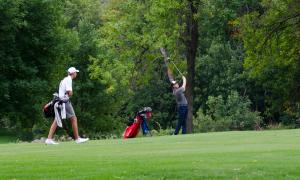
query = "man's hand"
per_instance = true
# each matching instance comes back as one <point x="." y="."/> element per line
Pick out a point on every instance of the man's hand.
<point x="70" y="93"/>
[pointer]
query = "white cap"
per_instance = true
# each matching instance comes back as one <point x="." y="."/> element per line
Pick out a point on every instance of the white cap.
<point x="173" y="82"/>
<point x="71" y="70"/>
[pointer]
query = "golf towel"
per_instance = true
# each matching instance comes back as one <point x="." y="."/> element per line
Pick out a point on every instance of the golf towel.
<point x="60" y="113"/>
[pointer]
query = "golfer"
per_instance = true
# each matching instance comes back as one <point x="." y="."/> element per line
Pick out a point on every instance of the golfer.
<point x="66" y="91"/>
<point x="182" y="105"/>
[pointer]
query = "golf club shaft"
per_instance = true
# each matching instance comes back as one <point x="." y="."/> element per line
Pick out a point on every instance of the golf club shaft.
<point x="177" y="68"/>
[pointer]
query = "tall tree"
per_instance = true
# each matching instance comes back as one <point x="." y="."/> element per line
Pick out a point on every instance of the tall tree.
<point x="191" y="44"/>
<point x="272" y="54"/>
<point x="97" y="100"/>
<point x="135" y="31"/>
<point x="219" y="64"/>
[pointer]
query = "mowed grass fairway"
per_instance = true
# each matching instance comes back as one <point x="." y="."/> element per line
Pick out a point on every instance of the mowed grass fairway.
<point x="224" y="155"/>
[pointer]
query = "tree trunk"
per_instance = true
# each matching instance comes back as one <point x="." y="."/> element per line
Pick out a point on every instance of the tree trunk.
<point x="191" y="44"/>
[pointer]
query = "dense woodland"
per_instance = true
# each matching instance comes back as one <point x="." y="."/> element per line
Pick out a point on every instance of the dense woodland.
<point x="241" y="59"/>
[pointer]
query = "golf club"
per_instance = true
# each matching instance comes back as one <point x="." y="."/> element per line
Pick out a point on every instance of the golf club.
<point x="177" y="68"/>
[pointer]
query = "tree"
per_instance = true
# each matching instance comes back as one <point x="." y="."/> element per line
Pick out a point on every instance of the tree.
<point x="33" y="45"/>
<point x="135" y="30"/>
<point x="272" y="53"/>
<point x="191" y="43"/>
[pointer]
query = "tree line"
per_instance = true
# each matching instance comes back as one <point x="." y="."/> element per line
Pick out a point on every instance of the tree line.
<point x="240" y="57"/>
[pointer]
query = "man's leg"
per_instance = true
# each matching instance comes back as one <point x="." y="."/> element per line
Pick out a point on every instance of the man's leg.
<point x="184" y="117"/>
<point x="74" y="126"/>
<point x="50" y="140"/>
<point x="182" y="120"/>
<point x="52" y="129"/>
<point x="178" y="126"/>
<point x="71" y="114"/>
<point x="144" y="125"/>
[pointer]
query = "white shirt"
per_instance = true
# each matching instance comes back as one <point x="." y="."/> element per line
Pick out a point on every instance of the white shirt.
<point x="64" y="86"/>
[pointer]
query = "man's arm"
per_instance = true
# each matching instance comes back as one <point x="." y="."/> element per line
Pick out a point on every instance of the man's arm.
<point x="69" y="88"/>
<point x="184" y="82"/>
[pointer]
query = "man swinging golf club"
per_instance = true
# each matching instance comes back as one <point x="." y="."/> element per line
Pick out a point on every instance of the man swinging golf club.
<point x="178" y="91"/>
<point x="65" y="92"/>
<point x="182" y="105"/>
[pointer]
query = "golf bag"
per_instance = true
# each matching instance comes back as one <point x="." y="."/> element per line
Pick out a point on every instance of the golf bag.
<point x="48" y="111"/>
<point x="140" y="119"/>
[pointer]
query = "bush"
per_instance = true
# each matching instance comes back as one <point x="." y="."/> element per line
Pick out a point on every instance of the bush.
<point x="162" y="132"/>
<point x="279" y="126"/>
<point x="290" y="117"/>
<point x="232" y="113"/>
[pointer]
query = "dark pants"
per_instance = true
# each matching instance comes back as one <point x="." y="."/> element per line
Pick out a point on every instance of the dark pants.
<point x="144" y="125"/>
<point x="183" y="111"/>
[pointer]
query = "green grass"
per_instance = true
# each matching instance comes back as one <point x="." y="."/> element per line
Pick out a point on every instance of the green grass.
<point x="225" y="155"/>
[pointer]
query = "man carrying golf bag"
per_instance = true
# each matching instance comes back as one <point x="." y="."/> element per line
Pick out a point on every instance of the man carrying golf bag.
<point x="64" y="109"/>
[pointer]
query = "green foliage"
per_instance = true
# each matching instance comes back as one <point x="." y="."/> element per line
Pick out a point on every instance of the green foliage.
<point x="217" y="19"/>
<point x="100" y="87"/>
<point x="219" y="65"/>
<point x="162" y="132"/>
<point x="129" y="62"/>
<point x="32" y="40"/>
<point x="7" y="137"/>
<point x="220" y="72"/>
<point x="245" y="46"/>
<point x="230" y="113"/>
<point x="272" y="52"/>
<point x="155" y="93"/>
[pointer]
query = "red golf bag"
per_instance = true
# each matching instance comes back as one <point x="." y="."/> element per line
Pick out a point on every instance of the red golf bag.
<point x="140" y="119"/>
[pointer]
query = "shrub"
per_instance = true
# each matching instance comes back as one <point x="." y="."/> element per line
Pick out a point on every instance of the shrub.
<point x="162" y="132"/>
<point x="232" y="113"/>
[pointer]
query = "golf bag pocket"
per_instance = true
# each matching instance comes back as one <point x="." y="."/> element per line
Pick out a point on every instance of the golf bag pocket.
<point x="48" y="110"/>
